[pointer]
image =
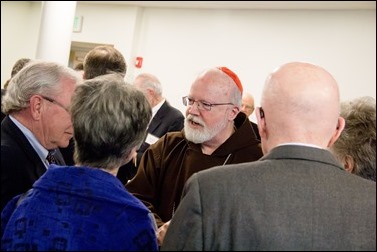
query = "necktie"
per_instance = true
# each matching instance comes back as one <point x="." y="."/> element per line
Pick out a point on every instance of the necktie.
<point x="50" y="158"/>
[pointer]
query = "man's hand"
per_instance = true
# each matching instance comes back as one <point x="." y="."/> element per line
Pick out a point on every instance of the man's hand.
<point x="161" y="233"/>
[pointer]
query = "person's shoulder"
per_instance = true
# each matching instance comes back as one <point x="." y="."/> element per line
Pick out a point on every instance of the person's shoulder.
<point x="178" y="113"/>
<point x="10" y="134"/>
<point x="355" y="182"/>
<point x="9" y="128"/>
<point x="10" y="149"/>
<point x="231" y="175"/>
<point x="169" y="141"/>
<point x="131" y="202"/>
<point x="16" y="150"/>
<point x="173" y="137"/>
<point x="173" y="110"/>
<point x="10" y="144"/>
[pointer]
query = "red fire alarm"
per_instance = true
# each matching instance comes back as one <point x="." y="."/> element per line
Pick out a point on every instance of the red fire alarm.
<point x="139" y="62"/>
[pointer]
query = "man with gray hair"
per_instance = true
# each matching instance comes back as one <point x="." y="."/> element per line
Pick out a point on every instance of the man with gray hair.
<point x="85" y="207"/>
<point x="356" y="146"/>
<point x="165" y="118"/>
<point x="37" y="123"/>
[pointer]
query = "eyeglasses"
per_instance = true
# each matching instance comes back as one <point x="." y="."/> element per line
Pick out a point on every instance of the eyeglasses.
<point x="202" y="105"/>
<point x="55" y="102"/>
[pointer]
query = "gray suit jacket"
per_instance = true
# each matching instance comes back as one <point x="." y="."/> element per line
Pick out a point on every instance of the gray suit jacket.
<point x="294" y="198"/>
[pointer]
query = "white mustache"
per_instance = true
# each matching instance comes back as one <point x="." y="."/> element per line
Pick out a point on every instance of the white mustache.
<point x="195" y="120"/>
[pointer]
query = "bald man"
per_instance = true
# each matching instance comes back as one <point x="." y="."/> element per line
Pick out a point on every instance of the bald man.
<point x="248" y="108"/>
<point x="297" y="196"/>
<point x="214" y="133"/>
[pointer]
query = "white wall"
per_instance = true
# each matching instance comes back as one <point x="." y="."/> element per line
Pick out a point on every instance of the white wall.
<point x="20" y="22"/>
<point x="107" y="24"/>
<point x="177" y="44"/>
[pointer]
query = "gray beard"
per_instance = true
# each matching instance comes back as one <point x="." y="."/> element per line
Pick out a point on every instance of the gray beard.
<point x="202" y="135"/>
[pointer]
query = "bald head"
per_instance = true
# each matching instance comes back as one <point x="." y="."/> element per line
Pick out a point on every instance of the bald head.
<point x="301" y="104"/>
<point x="219" y="86"/>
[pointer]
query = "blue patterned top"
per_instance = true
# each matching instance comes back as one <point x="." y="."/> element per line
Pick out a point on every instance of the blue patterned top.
<point x="77" y="208"/>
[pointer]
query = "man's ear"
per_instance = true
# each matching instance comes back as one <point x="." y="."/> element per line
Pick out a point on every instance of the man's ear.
<point x="349" y="163"/>
<point x="234" y="113"/>
<point x="261" y="121"/>
<point x="338" y="131"/>
<point x="36" y="107"/>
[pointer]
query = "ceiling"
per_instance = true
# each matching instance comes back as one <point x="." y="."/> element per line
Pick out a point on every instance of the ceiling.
<point x="250" y="5"/>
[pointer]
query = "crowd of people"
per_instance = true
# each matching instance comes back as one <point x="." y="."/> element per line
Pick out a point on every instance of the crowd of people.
<point x="92" y="162"/>
<point x="297" y="196"/>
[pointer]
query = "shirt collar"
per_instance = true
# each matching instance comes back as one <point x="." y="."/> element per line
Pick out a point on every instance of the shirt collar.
<point x="157" y="107"/>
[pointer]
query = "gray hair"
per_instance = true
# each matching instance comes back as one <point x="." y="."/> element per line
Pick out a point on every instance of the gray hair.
<point x="37" y="77"/>
<point x="235" y="93"/>
<point x="110" y="118"/>
<point x="236" y="96"/>
<point x="150" y="81"/>
<point x="358" y="138"/>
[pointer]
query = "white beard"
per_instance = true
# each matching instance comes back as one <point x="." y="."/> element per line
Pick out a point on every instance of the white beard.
<point x="205" y="134"/>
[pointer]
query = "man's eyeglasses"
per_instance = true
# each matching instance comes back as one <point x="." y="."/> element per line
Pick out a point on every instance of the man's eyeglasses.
<point x="202" y="105"/>
<point x="55" y="102"/>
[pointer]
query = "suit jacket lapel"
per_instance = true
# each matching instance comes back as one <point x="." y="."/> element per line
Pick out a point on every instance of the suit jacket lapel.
<point x="29" y="151"/>
<point x="157" y="119"/>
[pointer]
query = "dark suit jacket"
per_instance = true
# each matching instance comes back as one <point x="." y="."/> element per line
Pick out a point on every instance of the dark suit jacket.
<point x="294" y="198"/>
<point x="167" y="119"/>
<point x="67" y="153"/>
<point x="20" y="164"/>
<point x="255" y="128"/>
<point x="2" y="94"/>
